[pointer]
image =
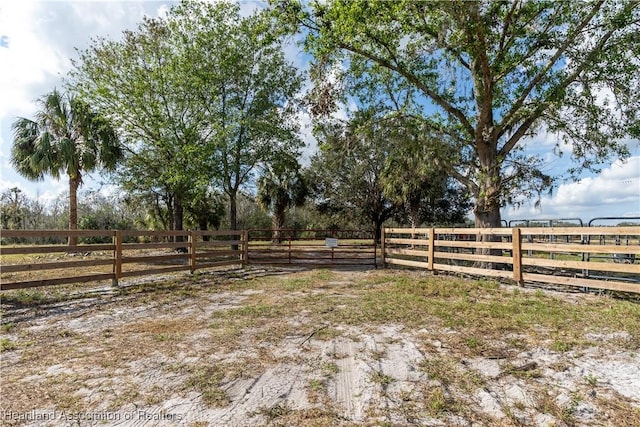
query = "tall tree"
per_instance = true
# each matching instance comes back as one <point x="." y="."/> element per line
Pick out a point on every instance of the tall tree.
<point x="205" y="209"/>
<point x="13" y="205"/>
<point x="65" y="137"/>
<point x="347" y="174"/>
<point x="488" y="75"/>
<point x="281" y="187"/>
<point x="412" y="175"/>
<point x="204" y="96"/>
<point x="142" y="84"/>
<point x="253" y="111"/>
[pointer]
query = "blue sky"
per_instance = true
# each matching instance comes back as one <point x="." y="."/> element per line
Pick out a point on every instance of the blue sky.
<point x="42" y="37"/>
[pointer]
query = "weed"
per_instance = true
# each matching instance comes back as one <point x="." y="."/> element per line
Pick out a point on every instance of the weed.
<point x="316" y="385"/>
<point x="446" y="372"/>
<point x="519" y="405"/>
<point x="562" y="346"/>
<point x="24" y="297"/>
<point x="154" y="396"/>
<point x="326" y="334"/>
<point x="592" y="380"/>
<point x="297" y="284"/>
<point x="61" y="392"/>
<point x="473" y="342"/>
<point x="515" y="419"/>
<point x="437" y="403"/>
<point x="128" y="394"/>
<point x="257" y="311"/>
<point x="526" y="371"/>
<point x="274" y="412"/>
<point x="620" y="411"/>
<point x="330" y="368"/>
<point x="6" y="345"/>
<point x="7" y="327"/>
<point x="66" y="333"/>
<point x="324" y="275"/>
<point x="380" y="378"/>
<point x="549" y="405"/>
<point x="378" y="354"/>
<point x="207" y="381"/>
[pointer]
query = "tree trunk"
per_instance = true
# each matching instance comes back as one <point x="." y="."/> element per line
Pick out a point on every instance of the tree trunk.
<point x="487" y="208"/>
<point x="168" y="219"/>
<point x="178" y="217"/>
<point x="233" y="211"/>
<point x="74" y="183"/>
<point x="203" y="224"/>
<point x="487" y="216"/>
<point x="233" y="214"/>
<point x="377" y="223"/>
<point x="278" y="222"/>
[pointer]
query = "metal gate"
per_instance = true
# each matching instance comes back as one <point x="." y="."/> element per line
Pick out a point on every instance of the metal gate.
<point x="312" y="248"/>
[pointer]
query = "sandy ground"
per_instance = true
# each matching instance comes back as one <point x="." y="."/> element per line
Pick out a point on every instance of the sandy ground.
<point x="382" y="375"/>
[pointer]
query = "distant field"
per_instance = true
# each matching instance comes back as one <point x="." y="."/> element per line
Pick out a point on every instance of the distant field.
<point x="353" y="347"/>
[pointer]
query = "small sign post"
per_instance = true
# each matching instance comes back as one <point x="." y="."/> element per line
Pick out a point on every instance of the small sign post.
<point x="331" y="242"/>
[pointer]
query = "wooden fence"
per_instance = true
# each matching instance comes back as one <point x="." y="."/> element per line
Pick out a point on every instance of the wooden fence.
<point x="128" y="253"/>
<point x="592" y="257"/>
<point x="312" y="247"/>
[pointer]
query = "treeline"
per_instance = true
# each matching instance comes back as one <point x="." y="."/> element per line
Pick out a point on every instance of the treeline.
<point x="122" y="211"/>
<point x="195" y="118"/>
<point x="421" y="111"/>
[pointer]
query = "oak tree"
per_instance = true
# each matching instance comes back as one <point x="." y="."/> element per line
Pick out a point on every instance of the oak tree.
<point x="490" y="75"/>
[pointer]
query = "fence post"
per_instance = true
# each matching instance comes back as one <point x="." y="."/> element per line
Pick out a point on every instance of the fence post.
<point x="383" y="237"/>
<point x="245" y="248"/>
<point x="432" y="248"/>
<point x="117" y="258"/>
<point x="192" y="251"/>
<point x="516" y="240"/>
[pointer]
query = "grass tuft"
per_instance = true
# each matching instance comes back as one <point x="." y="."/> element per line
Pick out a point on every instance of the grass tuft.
<point x="7" y="345"/>
<point x="207" y="381"/>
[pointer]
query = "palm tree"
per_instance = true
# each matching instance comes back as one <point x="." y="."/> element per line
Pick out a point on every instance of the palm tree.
<point x="280" y="188"/>
<point x="66" y="137"/>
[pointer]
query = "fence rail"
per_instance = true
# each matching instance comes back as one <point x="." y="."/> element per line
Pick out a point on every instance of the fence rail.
<point x="593" y="257"/>
<point x="131" y="253"/>
<point x="311" y="247"/>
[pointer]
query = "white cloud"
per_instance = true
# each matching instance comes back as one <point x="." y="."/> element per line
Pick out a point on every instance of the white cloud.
<point x="28" y="61"/>
<point x="615" y="192"/>
<point x="43" y="36"/>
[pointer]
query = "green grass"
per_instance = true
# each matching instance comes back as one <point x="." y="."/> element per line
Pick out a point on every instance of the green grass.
<point x="7" y="345"/>
<point x="470" y="318"/>
<point x="7" y="327"/>
<point x="483" y="309"/>
<point x="207" y="380"/>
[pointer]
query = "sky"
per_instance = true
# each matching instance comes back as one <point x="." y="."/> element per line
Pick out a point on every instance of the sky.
<point x="38" y="39"/>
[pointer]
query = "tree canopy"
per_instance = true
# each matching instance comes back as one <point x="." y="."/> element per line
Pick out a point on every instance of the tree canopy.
<point x="347" y="175"/>
<point x="203" y="97"/>
<point x="487" y="76"/>
<point x="280" y="187"/>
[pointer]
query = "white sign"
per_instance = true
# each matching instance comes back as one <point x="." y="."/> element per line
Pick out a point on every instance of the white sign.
<point x="331" y="242"/>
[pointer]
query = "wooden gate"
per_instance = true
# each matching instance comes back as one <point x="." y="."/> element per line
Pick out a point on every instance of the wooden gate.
<point x="312" y="248"/>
